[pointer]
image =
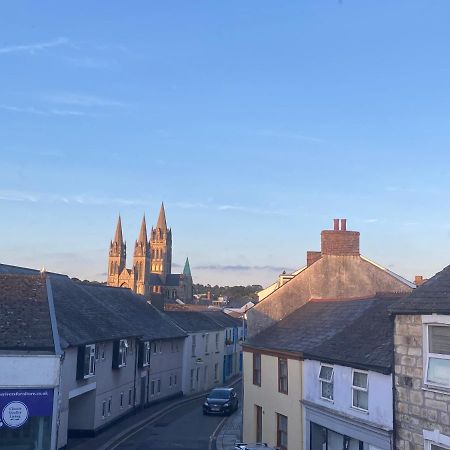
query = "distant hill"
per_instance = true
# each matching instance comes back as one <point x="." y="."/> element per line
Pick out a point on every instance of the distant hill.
<point x="228" y="291"/>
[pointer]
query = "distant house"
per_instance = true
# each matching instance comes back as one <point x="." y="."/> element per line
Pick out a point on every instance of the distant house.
<point x="212" y="350"/>
<point x="422" y="366"/>
<point x="291" y="336"/>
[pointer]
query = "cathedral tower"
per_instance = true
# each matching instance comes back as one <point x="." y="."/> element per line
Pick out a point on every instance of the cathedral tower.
<point x="141" y="262"/>
<point x="117" y="256"/>
<point x="161" y="246"/>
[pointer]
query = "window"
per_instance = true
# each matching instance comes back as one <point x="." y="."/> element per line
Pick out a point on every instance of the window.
<point x="438" y="356"/>
<point x="434" y="440"/>
<point x="175" y="380"/>
<point x="89" y="361"/>
<point x="217" y="342"/>
<point x="326" y="382"/>
<point x="159" y="386"/>
<point x="257" y="369"/>
<point x="258" y="413"/>
<point x="282" y="432"/>
<point x="123" y="350"/>
<point x="154" y="348"/>
<point x="282" y="375"/>
<point x="152" y="387"/>
<point x="170" y="381"/>
<point x="109" y="405"/>
<point x="206" y="343"/>
<point x="103" y="409"/>
<point x="216" y="372"/>
<point x="103" y="351"/>
<point x="97" y="349"/>
<point x="192" y="379"/>
<point x="194" y="344"/>
<point x="322" y="438"/>
<point x="172" y="346"/>
<point x="360" y="394"/>
<point x="160" y="346"/>
<point x="146" y="355"/>
<point x="121" y="400"/>
<point x="131" y="346"/>
<point x="129" y="397"/>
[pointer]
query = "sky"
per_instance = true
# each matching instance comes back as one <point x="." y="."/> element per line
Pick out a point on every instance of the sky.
<point x="256" y="122"/>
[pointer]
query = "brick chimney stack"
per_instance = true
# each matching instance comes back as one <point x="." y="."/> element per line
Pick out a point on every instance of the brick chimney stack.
<point x="418" y="280"/>
<point x="339" y="241"/>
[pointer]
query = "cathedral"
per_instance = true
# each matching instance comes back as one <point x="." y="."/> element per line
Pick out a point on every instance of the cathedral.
<point x="151" y="274"/>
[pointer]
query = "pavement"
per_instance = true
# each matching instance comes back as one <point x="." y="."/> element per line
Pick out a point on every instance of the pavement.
<point x="231" y="431"/>
<point x="110" y="436"/>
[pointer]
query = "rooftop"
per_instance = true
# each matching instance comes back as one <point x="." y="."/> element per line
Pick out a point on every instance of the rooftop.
<point x="353" y="332"/>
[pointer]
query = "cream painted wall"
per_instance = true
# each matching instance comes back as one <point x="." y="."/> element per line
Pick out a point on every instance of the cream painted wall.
<point x="272" y="401"/>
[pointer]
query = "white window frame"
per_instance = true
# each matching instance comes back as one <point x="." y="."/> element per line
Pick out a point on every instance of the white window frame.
<point x="358" y="388"/>
<point x="330" y="381"/>
<point x="123" y="351"/>
<point x="146" y="355"/>
<point x="435" y="438"/>
<point x="89" y="349"/>
<point x="206" y="343"/>
<point x="427" y="321"/>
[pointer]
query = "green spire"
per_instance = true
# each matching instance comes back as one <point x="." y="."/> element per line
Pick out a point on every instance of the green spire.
<point x="187" y="268"/>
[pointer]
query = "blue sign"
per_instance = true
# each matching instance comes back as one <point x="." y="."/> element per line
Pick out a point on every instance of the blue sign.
<point x="17" y="405"/>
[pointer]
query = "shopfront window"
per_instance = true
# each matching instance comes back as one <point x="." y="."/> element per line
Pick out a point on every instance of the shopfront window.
<point x="26" y="418"/>
<point x="324" y="439"/>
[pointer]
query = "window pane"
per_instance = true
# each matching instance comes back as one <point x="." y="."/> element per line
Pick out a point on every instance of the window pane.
<point x="360" y="399"/>
<point x="326" y="373"/>
<point x="360" y="379"/>
<point x="327" y="390"/>
<point x="318" y="437"/>
<point x="335" y="441"/>
<point x="439" y="371"/>
<point x="436" y="447"/>
<point x="439" y="339"/>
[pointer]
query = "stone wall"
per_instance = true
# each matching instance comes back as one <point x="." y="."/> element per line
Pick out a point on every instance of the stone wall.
<point x="416" y="409"/>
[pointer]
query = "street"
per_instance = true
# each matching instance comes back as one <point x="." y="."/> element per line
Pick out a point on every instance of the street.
<point x="184" y="428"/>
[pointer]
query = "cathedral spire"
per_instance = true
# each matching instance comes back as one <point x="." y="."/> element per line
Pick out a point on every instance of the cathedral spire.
<point x="187" y="268"/>
<point x="118" y="238"/>
<point x="162" y="219"/>
<point x="142" y="239"/>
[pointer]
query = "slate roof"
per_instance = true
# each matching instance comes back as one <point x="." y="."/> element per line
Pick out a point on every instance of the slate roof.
<point x="193" y="321"/>
<point x="356" y="333"/>
<point x="173" y="279"/>
<point x="85" y="312"/>
<point x="223" y="319"/>
<point x="24" y="314"/>
<point x="431" y="297"/>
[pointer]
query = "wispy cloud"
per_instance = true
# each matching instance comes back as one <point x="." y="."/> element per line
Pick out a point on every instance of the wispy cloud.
<point x="81" y="100"/>
<point x="47" y="111"/>
<point x="81" y="199"/>
<point x="230" y="207"/>
<point x="243" y="268"/>
<point x="34" y="47"/>
<point x="285" y="134"/>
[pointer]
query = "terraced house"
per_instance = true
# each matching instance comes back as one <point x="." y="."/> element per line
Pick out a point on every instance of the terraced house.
<point x="422" y="366"/>
<point x="313" y="362"/>
<point x="118" y="352"/>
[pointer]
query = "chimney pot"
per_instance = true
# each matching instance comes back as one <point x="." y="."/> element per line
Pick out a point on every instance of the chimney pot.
<point x="343" y="224"/>
<point x="336" y="224"/>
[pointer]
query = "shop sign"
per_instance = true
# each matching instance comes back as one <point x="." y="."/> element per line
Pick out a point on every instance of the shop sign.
<point x="18" y="405"/>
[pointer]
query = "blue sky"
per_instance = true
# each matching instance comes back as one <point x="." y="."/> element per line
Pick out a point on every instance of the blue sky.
<point x="256" y="122"/>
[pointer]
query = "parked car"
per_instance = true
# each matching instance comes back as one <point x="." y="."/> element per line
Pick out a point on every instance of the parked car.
<point x="221" y="401"/>
<point x="254" y="446"/>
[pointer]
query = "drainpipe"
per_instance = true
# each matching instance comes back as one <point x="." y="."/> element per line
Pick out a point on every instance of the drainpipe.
<point x="59" y="353"/>
<point x="135" y="372"/>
